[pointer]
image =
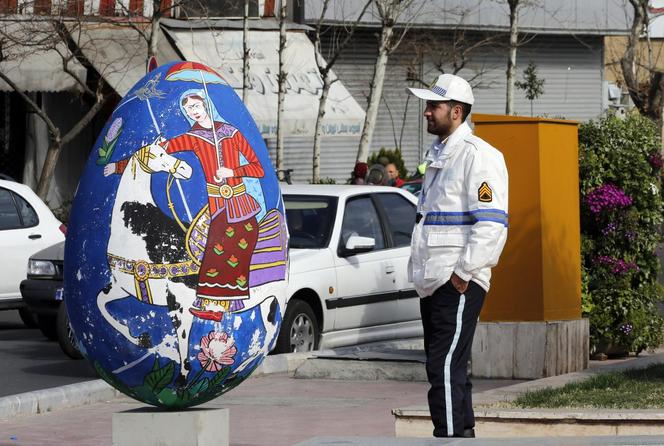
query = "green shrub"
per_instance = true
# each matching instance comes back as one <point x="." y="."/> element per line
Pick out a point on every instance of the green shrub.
<point x="621" y="215"/>
<point x="325" y="181"/>
<point x="392" y="156"/>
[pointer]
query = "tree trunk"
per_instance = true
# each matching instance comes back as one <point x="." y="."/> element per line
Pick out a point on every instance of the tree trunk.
<point x="511" y="58"/>
<point x="57" y="142"/>
<point x="661" y="135"/>
<point x="315" y="174"/>
<point x="245" y="52"/>
<point x="375" y="94"/>
<point x="282" y="86"/>
<point x="48" y="168"/>
<point x="154" y="29"/>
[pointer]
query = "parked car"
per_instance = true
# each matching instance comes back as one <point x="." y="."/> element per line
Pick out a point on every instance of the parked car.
<point x="349" y="250"/>
<point x="27" y="225"/>
<point x="348" y="284"/>
<point x="43" y="293"/>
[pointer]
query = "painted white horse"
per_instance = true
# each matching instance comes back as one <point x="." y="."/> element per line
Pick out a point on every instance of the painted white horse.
<point x="148" y="259"/>
<point x="142" y="251"/>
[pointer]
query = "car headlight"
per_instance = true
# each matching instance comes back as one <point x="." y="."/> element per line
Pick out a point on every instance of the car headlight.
<point x="41" y="268"/>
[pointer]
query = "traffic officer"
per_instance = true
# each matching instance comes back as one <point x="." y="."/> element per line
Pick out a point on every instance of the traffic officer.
<point x="460" y="232"/>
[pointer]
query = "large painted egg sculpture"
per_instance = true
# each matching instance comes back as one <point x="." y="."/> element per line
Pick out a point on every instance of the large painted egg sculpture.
<point x="176" y="255"/>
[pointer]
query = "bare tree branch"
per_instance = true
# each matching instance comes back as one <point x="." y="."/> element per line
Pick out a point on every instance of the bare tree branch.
<point x="52" y="128"/>
<point x="86" y="119"/>
<point x="644" y="82"/>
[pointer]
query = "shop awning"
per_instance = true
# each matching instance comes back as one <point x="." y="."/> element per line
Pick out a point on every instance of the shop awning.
<point x="33" y="58"/>
<point x="119" y="53"/>
<point x="222" y="50"/>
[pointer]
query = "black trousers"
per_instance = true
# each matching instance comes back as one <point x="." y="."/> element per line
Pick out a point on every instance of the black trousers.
<point x="449" y="320"/>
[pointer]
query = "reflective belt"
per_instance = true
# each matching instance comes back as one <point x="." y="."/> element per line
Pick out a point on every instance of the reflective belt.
<point x="465" y="218"/>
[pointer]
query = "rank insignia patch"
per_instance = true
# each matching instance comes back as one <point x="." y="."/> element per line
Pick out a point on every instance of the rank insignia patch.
<point x="484" y="193"/>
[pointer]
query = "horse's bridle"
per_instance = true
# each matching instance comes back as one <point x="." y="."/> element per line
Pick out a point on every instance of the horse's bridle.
<point x="141" y="157"/>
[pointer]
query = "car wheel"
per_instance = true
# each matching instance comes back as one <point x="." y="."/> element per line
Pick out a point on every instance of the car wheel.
<point x="27" y="317"/>
<point x="48" y="326"/>
<point x="299" y="329"/>
<point x="66" y="337"/>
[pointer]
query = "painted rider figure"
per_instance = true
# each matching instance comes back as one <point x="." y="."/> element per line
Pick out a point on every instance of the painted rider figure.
<point x="230" y="216"/>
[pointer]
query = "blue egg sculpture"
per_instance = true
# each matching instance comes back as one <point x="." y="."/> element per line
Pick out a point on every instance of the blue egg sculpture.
<point x="176" y="256"/>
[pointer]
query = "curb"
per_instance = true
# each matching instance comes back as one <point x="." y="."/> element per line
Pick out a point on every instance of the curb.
<point x="97" y="391"/>
<point x="41" y="401"/>
<point x="494" y="399"/>
<point x="362" y="370"/>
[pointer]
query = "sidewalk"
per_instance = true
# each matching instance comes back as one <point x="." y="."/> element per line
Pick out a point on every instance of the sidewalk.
<point x="276" y="408"/>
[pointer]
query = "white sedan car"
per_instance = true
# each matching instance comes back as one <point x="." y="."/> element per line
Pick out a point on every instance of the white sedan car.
<point x="27" y="225"/>
<point x="349" y="250"/>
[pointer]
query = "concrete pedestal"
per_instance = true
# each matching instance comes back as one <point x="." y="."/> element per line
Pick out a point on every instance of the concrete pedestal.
<point x="530" y="350"/>
<point x="155" y="427"/>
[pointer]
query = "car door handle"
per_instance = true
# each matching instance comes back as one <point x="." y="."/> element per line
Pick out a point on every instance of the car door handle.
<point x="34" y="236"/>
<point x="389" y="269"/>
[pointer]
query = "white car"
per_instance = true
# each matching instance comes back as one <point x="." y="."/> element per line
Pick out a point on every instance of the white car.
<point x="27" y="225"/>
<point x="348" y="282"/>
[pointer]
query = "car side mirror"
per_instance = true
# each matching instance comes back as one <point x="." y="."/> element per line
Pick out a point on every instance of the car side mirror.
<point x="356" y="244"/>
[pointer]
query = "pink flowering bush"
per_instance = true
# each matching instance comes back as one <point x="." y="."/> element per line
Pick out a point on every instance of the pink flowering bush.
<point x="617" y="266"/>
<point x="621" y="223"/>
<point x="607" y="197"/>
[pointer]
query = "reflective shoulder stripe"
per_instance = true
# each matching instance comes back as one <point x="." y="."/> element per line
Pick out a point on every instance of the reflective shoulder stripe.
<point x="495" y="215"/>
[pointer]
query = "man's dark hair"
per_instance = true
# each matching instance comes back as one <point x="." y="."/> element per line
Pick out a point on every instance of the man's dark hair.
<point x="465" y="108"/>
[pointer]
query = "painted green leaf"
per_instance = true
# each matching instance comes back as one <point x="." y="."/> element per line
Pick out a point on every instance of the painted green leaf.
<point x="144" y="393"/>
<point x="184" y="396"/>
<point x="111" y="146"/>
<point x="219" y="377"/>
<point x="168" y="398"/>
<point x="199" y="387"/>
<point x="159" y="377"/>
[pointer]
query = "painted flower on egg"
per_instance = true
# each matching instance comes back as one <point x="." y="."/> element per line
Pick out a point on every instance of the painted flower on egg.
<point x="217" y="350"/>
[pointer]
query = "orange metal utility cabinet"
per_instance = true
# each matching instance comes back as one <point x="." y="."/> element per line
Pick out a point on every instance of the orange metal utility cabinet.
<point x="538" y="277"/>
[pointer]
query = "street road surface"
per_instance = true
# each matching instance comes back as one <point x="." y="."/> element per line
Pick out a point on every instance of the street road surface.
<point x="32" y="362"/>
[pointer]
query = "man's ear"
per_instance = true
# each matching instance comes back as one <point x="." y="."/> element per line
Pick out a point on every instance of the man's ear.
<point x="458" y="110"/>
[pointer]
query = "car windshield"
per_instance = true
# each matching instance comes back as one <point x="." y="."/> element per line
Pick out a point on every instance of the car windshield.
<point x="310" y="220"/>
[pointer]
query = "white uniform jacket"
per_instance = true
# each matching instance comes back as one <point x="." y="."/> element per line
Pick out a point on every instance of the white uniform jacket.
<point x="462" y="213"/>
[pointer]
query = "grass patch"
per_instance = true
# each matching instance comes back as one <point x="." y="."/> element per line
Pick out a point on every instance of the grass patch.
<point x="630" y="389"/>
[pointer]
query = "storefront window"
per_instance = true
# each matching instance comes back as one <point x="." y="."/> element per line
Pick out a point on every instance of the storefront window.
<point x="218" y="8"/>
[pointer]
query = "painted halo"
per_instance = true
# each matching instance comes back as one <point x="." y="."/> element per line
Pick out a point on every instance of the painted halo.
<point x="176" y="256"/>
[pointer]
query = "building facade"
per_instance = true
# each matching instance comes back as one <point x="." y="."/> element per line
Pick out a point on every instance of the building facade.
<point x="565" y="39"/>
